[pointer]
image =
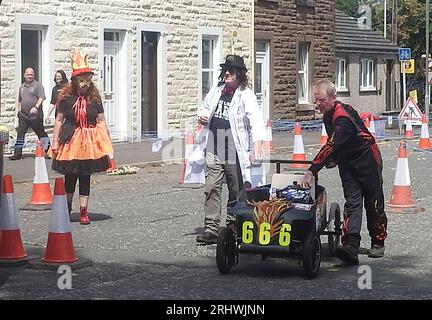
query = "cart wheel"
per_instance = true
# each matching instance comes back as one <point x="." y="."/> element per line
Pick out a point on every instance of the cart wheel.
<point x="334" y="225"/>
<point x="225" y="251"/>
<point x="312" y="255"/>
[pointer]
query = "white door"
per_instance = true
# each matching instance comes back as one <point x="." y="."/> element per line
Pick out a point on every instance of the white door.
<point x="262" y="77"/>
<point x="111" y="88"/>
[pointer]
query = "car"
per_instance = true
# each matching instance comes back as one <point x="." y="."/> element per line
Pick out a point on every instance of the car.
<point x="281" y="220"/>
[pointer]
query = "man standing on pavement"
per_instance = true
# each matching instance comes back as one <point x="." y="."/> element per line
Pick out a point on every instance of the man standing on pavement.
<point x="30" y="113"/>
<point x="353" y="148"/>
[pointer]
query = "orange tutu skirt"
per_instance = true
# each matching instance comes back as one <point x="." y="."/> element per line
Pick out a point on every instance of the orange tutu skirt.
<point x="87" y="152"/>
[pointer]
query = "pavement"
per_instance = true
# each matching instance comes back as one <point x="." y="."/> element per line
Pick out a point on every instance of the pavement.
<point x="171" y="151"/>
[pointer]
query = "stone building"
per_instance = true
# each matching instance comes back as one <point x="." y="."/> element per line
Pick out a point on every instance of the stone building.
<point x="367" y="67"/>
<point x="294" y="47"/>
<point x="153" y="60"/>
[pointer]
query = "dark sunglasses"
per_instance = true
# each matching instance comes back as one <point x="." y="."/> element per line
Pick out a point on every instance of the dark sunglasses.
<point x="230" y="70"/>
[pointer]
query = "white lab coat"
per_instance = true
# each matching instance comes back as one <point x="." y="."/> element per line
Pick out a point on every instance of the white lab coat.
<point x="247" y="126"/>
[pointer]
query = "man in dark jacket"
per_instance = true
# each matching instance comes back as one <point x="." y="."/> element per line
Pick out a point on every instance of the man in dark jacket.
<point x="353" y="148"/>
<point x="30" y="114"/>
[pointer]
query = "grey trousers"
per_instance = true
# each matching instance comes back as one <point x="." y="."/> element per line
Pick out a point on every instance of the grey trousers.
<point x="216" y="171"/>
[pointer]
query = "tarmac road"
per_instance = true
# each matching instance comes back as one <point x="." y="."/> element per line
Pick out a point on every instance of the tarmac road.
<point x="147" y="250"/>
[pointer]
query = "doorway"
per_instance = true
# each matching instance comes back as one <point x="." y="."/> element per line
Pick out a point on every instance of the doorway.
<point x="262" y="77"/>
<point x="149" y="84"/>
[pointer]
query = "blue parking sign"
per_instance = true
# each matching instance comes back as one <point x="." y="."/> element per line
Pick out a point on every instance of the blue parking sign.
<point x="404" y="54"/>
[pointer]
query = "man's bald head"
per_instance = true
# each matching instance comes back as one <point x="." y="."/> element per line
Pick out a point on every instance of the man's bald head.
<point x="29" y="75"/>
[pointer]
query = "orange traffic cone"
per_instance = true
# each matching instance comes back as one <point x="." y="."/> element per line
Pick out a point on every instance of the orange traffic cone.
<point x="408" y="130"/>
<point x="59" y="248"/>
<point x="298" y="152"/>
<point x="372" y="126"/>
<point x="11" y="247"/>
<point x="424" y="142"/>
<point x="268" y="145"/>
<point x="41" y="198"/>
<point x="113" y="164"/>
<point x="401" y="198"/>
<point x="324" y="136"/>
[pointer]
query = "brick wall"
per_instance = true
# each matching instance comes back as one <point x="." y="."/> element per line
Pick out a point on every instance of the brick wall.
<point x="288" y="22"/>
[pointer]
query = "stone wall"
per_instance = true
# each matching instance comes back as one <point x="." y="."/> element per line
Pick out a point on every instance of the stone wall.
<point x="77" y="24"/>
<point x="289" y="23"/>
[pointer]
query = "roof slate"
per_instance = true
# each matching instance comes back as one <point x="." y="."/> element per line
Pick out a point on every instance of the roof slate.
<point x="350" y="38"/>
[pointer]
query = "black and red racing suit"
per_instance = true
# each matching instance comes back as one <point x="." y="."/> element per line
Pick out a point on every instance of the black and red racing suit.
<point x="356" y="153"/>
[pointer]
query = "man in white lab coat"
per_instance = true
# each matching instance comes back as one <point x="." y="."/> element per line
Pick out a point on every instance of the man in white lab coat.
<point x="233" y="137"/>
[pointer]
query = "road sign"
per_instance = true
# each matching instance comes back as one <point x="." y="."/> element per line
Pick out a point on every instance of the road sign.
<point x="404" y="54"/>
<point x="412" y="112"/>
<point x="407" y="66"/>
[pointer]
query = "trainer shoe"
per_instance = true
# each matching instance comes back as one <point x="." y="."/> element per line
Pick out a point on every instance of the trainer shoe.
<point x="376" y="251"/>
<point x="207" y="238"/>
<point x="348" y="254"/>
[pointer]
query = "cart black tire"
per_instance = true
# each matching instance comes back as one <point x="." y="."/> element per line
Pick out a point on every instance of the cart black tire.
<point x="312" y="255"/>
<point x="334" y="225"/>
<point x="225" y="251"/>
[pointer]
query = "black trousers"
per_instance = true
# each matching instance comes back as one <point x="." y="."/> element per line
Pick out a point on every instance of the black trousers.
<point x="38" y="127"/>
<point x="363" y="187"/>
<point x="84" y="184"/>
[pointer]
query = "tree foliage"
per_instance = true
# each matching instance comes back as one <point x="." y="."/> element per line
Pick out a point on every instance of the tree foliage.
<point x="348" y="7"/>
<point x="410" y="31"/>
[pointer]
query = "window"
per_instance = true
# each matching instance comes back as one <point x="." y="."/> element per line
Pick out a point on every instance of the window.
<point x="209" y="44"/>
<point x="208" y="64"/>
<point x="367" y="74"/>
<point x="303" y="73"/>
<point x="341" y="75"/>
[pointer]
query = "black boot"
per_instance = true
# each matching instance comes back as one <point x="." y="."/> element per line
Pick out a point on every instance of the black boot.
<point x="17" y="154"/>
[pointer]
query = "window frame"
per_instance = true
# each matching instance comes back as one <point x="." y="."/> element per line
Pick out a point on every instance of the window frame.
<point x="341" y="87"/>
<point x="215" y="35"/>
<point x="306" y="73"/>
<point x="370" y="74"/>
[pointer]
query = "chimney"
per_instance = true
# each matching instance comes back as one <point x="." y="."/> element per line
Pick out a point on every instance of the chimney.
<point x="364" y="20"/>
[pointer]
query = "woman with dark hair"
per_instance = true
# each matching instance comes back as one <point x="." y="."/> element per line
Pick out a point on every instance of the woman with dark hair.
<point x="60" y="80"/>
<point x="81" y="142"/>
<point x="233" y="138"/>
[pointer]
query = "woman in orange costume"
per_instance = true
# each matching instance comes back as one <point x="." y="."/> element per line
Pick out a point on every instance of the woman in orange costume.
<point x="81" y="142"/>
